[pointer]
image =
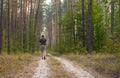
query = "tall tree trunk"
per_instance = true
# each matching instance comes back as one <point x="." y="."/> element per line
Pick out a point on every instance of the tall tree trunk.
<point x="11" y="15"/>
<point x="59" y="11"/>
<point x="8" y="27"/>
<point x="30" y="23"/>
<point x="21" y="23"/>
<point x="15" y="23"/>
<point x="36" y="16"/>
<point x="90" y="28"/>
<point x="24" y="27"/>
<point x="119" y="13"/>
<point x="112" y="17"/>
<point x="12" y="27"/>
<point x="72" y="23"/>
<point x="56" y="19"/>
<point x="36" y="23"/>
<point x="83" y="25"/>
<point x="1" y="25"/>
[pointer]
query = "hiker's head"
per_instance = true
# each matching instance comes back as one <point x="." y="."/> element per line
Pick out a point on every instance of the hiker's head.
<point x="42" y="36"/>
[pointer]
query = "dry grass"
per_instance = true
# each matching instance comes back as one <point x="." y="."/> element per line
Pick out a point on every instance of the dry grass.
<point x="57" y="70"/>
<point x="16" y="65"/>
<point x="107" y="64"/>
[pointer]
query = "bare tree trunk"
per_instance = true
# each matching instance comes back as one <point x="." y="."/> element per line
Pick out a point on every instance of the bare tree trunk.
<point x="59" y="11"/>
<point x="31" y="14"/>
<point x="112" y="17"/>
<point x="11" y="15"/>
<point x="36" y="16"/>
<point x="21" y="23"/>
<point x="55" y="24"/>
<point x="83" y="25"/>
<point x="24" y="27"/>
<point x="12" y="25"/>
<point x="90" y="28"/>
<point x="72" y="23"/>
<point x="1" y="25"/>
<point x="56" y="21"/>
<point x="15" y="22"/>
<point x="8" y="27"/>
<point x="119" y="13"/>
<point x="36" y="23"/>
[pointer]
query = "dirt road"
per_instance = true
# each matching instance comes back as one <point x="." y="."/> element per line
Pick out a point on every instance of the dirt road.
<point x="43" y="70"/>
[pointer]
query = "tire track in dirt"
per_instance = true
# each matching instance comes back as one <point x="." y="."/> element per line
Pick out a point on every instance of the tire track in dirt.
<point x="79" y="72"/>
<point x="44" y="70"/>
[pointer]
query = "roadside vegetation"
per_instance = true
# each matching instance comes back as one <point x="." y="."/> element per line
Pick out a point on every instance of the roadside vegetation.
<point x="17" y="65"/>
<point x="105" y="64"/>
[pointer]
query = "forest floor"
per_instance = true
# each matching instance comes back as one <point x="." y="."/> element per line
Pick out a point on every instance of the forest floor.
<point x="59" y="66"/>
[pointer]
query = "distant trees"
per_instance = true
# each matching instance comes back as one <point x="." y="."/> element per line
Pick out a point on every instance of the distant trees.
<point x="71" y="25"/>
<point x="88" y="26"/>
<point x="20" y="23"/>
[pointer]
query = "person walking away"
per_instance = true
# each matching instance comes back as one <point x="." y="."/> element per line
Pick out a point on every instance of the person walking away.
<point x="43" y="47"/>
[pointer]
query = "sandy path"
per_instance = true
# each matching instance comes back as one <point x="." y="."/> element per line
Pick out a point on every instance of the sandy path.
<point x="79" y="72"/>
<point x="42" y="70"/>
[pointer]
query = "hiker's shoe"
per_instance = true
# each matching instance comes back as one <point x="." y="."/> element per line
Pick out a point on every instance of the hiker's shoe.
<point x="44" y="58"/>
